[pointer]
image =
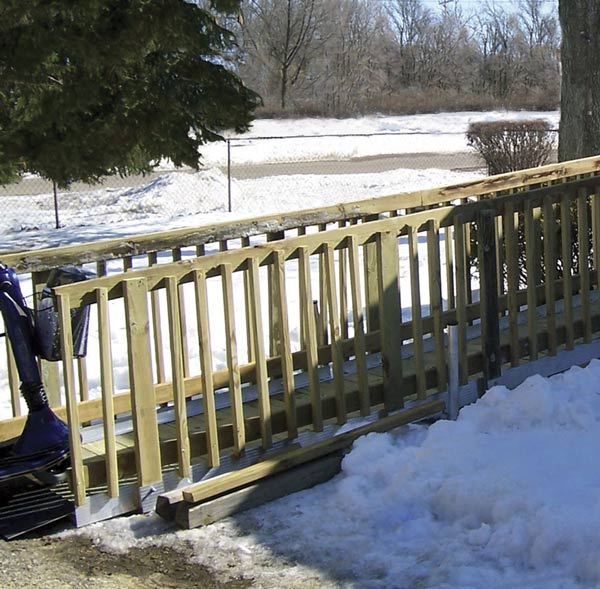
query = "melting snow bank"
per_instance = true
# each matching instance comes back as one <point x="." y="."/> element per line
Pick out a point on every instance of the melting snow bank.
<point x="507" y="496"/>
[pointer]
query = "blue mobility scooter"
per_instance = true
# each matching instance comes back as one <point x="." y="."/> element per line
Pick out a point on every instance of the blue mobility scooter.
<point x="42" y="449"/>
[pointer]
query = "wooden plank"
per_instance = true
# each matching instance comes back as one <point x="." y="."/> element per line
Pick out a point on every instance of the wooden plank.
<point x="208" y="393"/>
<point x="143" y="398"/>
<point x="185" y="353"/>
<point x="371" y="274"/>
<point x="596" y="238"/>
<point x="310" y="327"/>
<point x="78" y="484"/>
<point x="391" y="318"/>
<point x="583" y="228"/>
<point x="107" y="385"/>
<point x="157" y="326"/>
<point x="235" y="480"/>
<point x="343" y="286"/>
<point x="416" y="313"/>
<point x="531" y="263"/>
<point x="233" y="367"/>
<point x="359" y="327"/>
<point x="296" y="479"/>
<point x="462" y="276"/>
<point x="567" y="266"/>
<point x="550" y="264"/>
<point x="275" y="327"/>
<point x="449" y="255"/>
<point x="262" y="376"/>
<point x="285" y="346"/>
<point x="435" y="301"/>
<point x="178" y="376"/>
<point x="488" y="291"/>
<point x="335" y="333"/>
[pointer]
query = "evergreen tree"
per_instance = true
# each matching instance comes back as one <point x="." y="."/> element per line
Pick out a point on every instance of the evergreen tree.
<point x="99" y="87"/>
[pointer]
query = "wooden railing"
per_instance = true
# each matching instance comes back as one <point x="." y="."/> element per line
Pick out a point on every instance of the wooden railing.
<point x="387" y="290"/>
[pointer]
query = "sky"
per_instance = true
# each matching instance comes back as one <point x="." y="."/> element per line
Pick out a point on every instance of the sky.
<point x="504" y="497"/>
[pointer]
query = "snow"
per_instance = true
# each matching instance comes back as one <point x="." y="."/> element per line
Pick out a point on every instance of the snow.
<point x="506" y="496"/>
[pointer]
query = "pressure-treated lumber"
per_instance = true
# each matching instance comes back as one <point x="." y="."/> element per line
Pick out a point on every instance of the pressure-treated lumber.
<point x="235" y="480"/>
<point x="296" y="479"/>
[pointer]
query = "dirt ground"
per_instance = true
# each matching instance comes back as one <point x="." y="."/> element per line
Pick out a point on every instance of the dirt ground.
<point x="42" y="561"/>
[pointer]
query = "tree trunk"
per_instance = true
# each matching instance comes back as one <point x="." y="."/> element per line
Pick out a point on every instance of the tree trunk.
<point x="580" y="91"/>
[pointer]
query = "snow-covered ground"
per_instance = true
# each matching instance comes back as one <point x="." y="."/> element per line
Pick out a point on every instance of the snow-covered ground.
<point x="505" y="497"/>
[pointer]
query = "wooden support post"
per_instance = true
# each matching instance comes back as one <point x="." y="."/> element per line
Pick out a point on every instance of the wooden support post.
<point x="391" y="319"/>
<point x="532" y="257"/>
<point x="490" y="325"/>
<point x="143" y="396"/>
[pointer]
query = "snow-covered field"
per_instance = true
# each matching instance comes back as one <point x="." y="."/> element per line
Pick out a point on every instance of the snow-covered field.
<point x="505" y="497"/>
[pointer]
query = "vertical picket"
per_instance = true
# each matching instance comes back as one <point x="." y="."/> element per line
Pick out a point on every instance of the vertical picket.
<point x="310" y="337"/>
<point x="208" y="393"/>
<point x="416" y="314"/>
<point x="435" y="298"/>
<point x="178" y="376"/>
<point x="337" y="355"/>
<point x="78" y="484"/>
<point x="567" y="267"/>
<point x="107" y="384"/>
<point x="583" y="227"/>
<point x="550" y="253"/>
<point x="531" y="264"/>
<point x="262" y="377"/>
<point x="462" y="277"/>
<point x="285" y="348"/>
<point x="235" y="382"/>
<point x="159" y="358"/>
<point x="359" y="327"/>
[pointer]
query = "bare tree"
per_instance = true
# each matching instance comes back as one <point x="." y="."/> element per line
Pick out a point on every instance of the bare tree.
<point x="280" y="35"/>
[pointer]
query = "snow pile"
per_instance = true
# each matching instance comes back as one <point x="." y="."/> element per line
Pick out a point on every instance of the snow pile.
<point x="506" y="496"/>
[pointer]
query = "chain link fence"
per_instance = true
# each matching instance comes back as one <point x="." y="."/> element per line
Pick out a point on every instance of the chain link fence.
<point x="250" y="176"/>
